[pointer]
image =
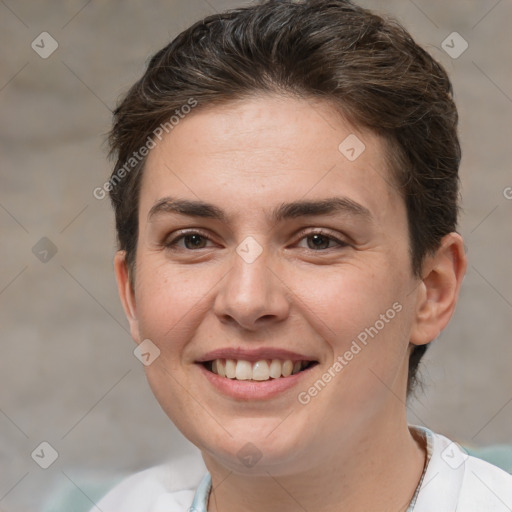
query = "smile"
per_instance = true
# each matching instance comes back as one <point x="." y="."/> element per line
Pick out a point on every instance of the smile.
<point x="262" y="370"/>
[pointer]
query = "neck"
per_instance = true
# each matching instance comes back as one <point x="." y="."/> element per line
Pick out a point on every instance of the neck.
<point x="379" y="470"/>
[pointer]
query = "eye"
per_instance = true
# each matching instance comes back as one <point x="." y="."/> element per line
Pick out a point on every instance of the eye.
<point x="188" y="241"/>
<point x="318" y="241"/>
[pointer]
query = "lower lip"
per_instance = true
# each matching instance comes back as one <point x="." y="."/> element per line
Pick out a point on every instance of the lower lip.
<point x="251" y="389"/>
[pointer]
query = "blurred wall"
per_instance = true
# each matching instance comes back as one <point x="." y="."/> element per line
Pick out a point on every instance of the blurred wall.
<point x="67" y="371"/>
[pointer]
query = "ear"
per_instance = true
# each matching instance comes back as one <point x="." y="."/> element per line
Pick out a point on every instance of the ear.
<point x="126" y="293"/>
<point x="439" y="289"/>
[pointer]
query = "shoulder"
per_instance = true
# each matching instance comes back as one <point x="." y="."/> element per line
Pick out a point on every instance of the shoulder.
<point x="455" y="480"/>
<point x="485" y="487"/>
<point x="169" y="487"/>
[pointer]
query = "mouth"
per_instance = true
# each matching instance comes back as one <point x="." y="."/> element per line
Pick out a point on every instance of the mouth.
<point x="257" y="371"/>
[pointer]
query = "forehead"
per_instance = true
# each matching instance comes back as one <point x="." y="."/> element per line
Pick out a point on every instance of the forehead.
<point x="252" y="152"/>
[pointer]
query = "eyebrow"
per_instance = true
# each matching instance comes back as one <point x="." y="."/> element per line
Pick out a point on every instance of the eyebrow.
<point x="328" y="206"/>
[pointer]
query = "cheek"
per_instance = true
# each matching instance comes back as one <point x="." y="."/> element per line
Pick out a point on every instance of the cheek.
<point x="168" y="387"/>
<point x="341" y="302"/>
<point x="363" y="318"/>
<point x="170" y="304"/>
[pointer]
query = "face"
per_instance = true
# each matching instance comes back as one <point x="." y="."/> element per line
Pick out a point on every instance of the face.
<point x="267" y="248"/>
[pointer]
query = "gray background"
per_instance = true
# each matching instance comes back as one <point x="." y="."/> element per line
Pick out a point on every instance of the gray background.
<point x="67" y="372"/>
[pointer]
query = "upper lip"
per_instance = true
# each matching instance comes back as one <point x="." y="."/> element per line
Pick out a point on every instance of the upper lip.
<point x="253" y="355"/>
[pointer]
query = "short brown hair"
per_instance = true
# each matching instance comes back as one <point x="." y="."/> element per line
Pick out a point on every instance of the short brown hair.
<point x="366" y="65"/>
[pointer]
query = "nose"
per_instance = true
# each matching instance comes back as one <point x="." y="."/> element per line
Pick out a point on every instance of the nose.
<point x="251" y="295"/>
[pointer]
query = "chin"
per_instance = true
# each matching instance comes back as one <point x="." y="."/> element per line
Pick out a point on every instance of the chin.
<point x="251" y="450"/>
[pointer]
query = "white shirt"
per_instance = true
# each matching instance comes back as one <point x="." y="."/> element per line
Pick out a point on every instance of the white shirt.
<point x="452" y="482"/>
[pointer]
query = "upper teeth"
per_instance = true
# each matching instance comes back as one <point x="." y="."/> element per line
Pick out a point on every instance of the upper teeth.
<point x="260" y="370"/>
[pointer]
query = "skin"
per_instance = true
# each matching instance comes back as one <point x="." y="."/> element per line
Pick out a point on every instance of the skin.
<point x="349" y="448"/>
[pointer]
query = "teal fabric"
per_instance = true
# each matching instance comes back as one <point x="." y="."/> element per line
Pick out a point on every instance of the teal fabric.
<point x="201" y="497"/>
<point x="500" y="455"/>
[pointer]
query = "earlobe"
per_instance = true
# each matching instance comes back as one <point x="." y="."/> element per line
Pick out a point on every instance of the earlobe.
<point x="126" y="293"/>
<point x="439" y="289"/>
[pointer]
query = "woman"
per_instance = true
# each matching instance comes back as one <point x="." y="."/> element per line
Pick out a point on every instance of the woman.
<point x="285" y="194"/>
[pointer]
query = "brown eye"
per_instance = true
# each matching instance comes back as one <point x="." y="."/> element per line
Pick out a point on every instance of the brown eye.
<point x="317" y="241"/>
<point x="320" y="241"/>
<point x="194" y="241"/>
<point x="188" y="241"/>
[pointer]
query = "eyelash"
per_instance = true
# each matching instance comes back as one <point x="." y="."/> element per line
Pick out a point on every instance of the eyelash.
<point x="172" y="244"/>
